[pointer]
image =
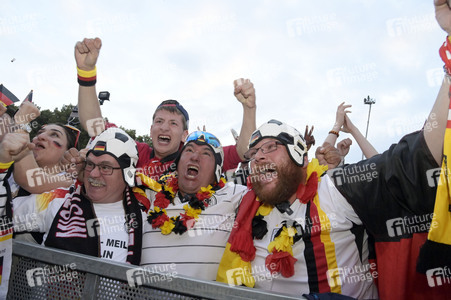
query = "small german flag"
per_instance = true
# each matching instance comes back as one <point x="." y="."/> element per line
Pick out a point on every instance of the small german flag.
<point x="100" y="146"/>
<point x="6" y="97"/>
<point x="29" y="97"/>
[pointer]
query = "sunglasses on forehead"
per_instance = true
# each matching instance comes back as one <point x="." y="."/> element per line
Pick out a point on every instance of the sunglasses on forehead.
<point x="205" y="137"/>
<point x="72" y="129"/>
<point x="76" y="131"/>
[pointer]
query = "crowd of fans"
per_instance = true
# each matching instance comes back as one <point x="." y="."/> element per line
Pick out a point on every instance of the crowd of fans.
<point x="259" y="213"/>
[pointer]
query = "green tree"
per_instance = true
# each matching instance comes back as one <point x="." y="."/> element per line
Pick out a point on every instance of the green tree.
<point x="62" y="116"/>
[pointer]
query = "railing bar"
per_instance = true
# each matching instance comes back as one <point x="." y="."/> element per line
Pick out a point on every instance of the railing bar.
<point x="114" y="270"/>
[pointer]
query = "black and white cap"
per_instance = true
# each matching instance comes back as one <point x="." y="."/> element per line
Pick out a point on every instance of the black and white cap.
<point x="287" y="135"/>
<point x="117" y="143"/>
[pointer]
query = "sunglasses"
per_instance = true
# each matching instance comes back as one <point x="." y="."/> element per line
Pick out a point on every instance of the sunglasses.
<point x="76" y="131"/>
<point x="202" y="136"/>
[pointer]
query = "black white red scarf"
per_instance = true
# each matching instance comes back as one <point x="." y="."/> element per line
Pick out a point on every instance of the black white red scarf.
<point x="69" y="228"/>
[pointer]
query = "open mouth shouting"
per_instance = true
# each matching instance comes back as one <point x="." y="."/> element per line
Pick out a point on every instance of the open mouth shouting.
<point x="39" y="146"/>
<point x="164" y="139"/>
<point x="265" y="172"/>
<point x="192" y="171"/>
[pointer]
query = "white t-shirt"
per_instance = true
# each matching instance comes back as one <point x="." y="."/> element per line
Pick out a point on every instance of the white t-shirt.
<point x="198" y="251"/>
<point x="335" y="219"/>
<point x="37" y="211"/>
<point x="113" y="232"/>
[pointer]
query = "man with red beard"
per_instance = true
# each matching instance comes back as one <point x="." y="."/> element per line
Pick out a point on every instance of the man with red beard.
<point x="298" y="232"/>
<point x="295" y="233"/>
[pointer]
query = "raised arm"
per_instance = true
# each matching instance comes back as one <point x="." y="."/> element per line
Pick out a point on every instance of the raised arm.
<point x="26" y="168"/>
<point x="339" y="120"/>
<point x="245" y="93"/>
<point x="435" y="125"/>
<point x="12" y="145"/>
<point x="367" y="149"/>
<point x="90" y="115"/>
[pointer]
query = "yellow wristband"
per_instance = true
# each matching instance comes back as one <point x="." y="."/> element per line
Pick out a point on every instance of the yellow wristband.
<point x="87" y="74"/>
<point x="6" y="165"/>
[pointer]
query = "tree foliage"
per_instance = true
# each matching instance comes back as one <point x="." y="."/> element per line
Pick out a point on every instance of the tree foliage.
<point x="62" y="116"/>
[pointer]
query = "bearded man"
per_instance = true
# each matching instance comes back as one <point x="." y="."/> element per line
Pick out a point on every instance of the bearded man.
<point x="295" y="233"/>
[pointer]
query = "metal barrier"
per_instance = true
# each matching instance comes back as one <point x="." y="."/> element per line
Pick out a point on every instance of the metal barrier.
<point x="45" y="273"/>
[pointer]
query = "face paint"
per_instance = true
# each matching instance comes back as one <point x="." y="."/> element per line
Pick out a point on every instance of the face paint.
<point x="57" y="144"/>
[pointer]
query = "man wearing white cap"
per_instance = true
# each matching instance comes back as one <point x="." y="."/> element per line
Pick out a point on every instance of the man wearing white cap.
<point x="89" y="216"/>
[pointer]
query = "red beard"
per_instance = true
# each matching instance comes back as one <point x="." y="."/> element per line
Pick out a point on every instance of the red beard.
<point x="288" y="177"/>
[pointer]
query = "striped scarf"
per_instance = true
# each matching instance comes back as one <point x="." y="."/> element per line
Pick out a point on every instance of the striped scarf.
<point x="69" y="229"/>
<point x="240" y="249"/>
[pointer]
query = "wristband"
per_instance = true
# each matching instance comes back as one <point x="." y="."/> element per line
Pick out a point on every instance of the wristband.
<point x="87" y="78"/>
<point x="4" y="166"/>
<point x="334" y="132"/>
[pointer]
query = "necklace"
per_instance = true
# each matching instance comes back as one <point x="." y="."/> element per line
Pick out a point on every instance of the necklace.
<point x="158" y="217"/>
<point x="280" y="249"/>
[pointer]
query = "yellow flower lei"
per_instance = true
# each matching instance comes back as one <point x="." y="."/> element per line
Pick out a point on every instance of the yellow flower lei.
<point x="190" y="213"/>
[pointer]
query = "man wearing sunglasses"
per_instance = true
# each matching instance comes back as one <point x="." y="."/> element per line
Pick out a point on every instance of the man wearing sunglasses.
<point x="89" y="216"/>
<point x="169" y="123"/>
<point x="191" y="216"/>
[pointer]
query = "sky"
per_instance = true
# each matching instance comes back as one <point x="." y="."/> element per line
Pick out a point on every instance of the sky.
<point x="303" y="57"/>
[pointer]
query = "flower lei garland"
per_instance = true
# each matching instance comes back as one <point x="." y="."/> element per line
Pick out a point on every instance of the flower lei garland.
<point x="158" y="217"/>
<point x="280" y="259"/>
<point x="250" y="224"/>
